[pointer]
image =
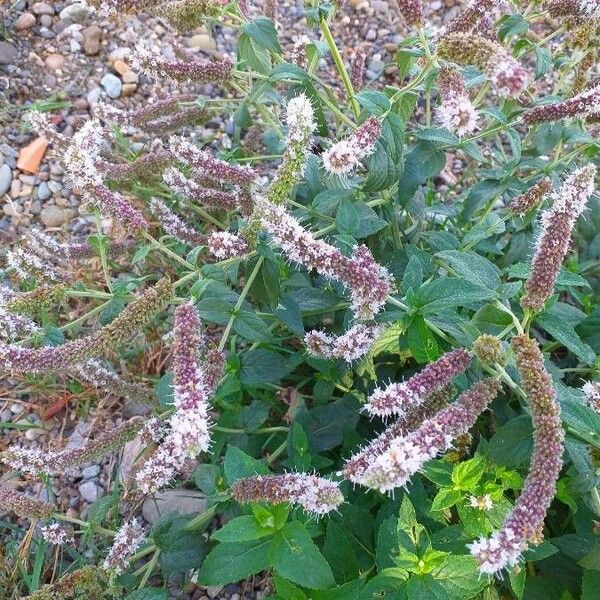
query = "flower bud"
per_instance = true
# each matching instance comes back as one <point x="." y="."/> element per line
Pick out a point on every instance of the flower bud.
<point x="128" y="539"/>
<point x="522" y="204"/>
<point x="488" y="349"/>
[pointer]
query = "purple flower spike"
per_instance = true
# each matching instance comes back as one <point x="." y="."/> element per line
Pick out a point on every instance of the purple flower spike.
<point x="397" y="398"/>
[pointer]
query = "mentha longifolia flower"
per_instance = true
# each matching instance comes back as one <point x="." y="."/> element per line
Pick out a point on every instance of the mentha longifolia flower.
<point x="369" y="283"/>
<point x="357" y="67"/>
<point x="456" y="111"/>
<point x="356" y="465"/>
<point x="397" y="398"/>
<point x="522" y="204"/>
<point x="580" y="10"/>
<point x="504" y="548"/>
<point x="35" y="460"/>
<point x="193" y="69"/>
<point x="18" y="359"/>
<point x="174" y="225"/>
<point x="223" y="245"/>
<point x="412" y="11"/>
<point x="352" y="345"/>
<point x="23" y="505"/>
<point x="507" y="76"/>
<point x="207" y="165"/>
<point x="471" y="16"/>
<point x="591" y="392"/>
<point x="481" y="502"/>
<point x="13" y="326"/>
<point x="343" y="157"/>
<point x="406" y="455"/>
<point x="553" y="241"/>
<point x="188" y="432"/>
<point x="26" y="264"/>
<point x="488" y="349"/>
<point x="584" y="104"/>
<point x="191" y="189"/>
<point x="315" y="494"/>
<point x="300" y="119"/>
<point x="126" y="542"/>
<point x="104" y="378"/>
<point x="58" y="534"/>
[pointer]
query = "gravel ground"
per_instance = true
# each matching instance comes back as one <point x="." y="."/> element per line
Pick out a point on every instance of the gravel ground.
<point x="61" y="57"/>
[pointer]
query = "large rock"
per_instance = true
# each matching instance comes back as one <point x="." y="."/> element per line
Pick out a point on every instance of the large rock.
<point x="75" y="12"/>
<point x="53" y="216"/>
<point x="185" y="502"/>
<point x="24" y="22"/>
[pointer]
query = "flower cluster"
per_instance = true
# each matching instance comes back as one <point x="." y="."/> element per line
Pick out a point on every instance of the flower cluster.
<point x="126" y="542"/>
<point x="369" y="283"/>
<point x="412" y="11"/>
<point x="553" y="241"/>
<point x="356" y="466"/>
<point x="17" y="359"/>
<point x="481" y="502"/>
<point x="101" y="377"/>
<point x="507" y="76"/>
<point x="357" y="68"/>
<point x="82" y="159"/>
<point x="456" y="112"/>
<point x="58" y="534"/>
<point x="13" y="326"/>
<point x="35" y="460"/>
<point x="315" y="494"/>
<point x="174" y="225"/>
<point x="578" y="10"/>
<point x="29" y="303"/>
<point x="188" y="431"/>
<point x="190" y="69"/>
<point x="223" y="245"/>
<point x="343" y="157"/>
<point x="504" y="548"/>
<point x="591" y="392"/>
<point x="352" y="345"/>
<point x="471" y="17"/>
<point x="488" y="349"/>
<point x="522" y="204"/>
<point x="207" y="165"/>
<point x="584" y="104"/>
<point x="398" y="398"/>
<point x="300" y="119"/>
<point x="406" y="455"/>
<point x="193" y="190"/>
<point x="26" y="264"/>
<point x="23" y="505"/>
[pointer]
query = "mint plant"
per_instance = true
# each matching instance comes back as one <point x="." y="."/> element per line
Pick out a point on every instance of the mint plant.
<point x="398" y="397"/>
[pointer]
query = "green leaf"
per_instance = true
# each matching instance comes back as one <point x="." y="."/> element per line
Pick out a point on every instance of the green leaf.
<point x="256" y="57"/>
<point x="445" y="498"/>
<point x="261" y="366"/>
<point x="517" y="582"/>
<point x="490" y="224"/>
<point x="230" y="563"/>
<point x="460" y="578"/>
<point x="512" y="444"/>
<point x="450" y="292"/>
<point x="467" y="474"/>
<point x="421" y="342"/>
<point x="251" y="327"/>
<point x="338" y="549"/>
<point x="473" y="267"/>
<point x="294" y="556"/>
<point x="590" y="585"/>
<point x="238" y="465"/>
<point x="564" y="333"/>
<point x="347" y="220"/>
<point x="423" y="162"/>
<point x="181" y="550"/>
<point x="375" y="103"/>
<point x="264" y="34"/>
<point x="438" y="135"/>
<point x="241" y="529"/>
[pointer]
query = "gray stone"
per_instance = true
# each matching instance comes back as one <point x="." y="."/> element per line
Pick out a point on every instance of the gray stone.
<point x="8" y="53"/>
<point x="53" y="216"/>
<point x="112" y="85"/>
<point x="75" y="12"/>
<point x="91" y="471"/>
<point x="5" y="179"/>
<point x="90" y="491"/>
<point x="42" y="8"/>
<point x="43" y="191"/>
<point x="6" y="415"/>
<point x="185" y="502"/>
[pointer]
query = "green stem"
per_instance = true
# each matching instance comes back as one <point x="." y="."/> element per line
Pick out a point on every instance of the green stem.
<point x="341" y="67"/>
<point x="240" y="301"/>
